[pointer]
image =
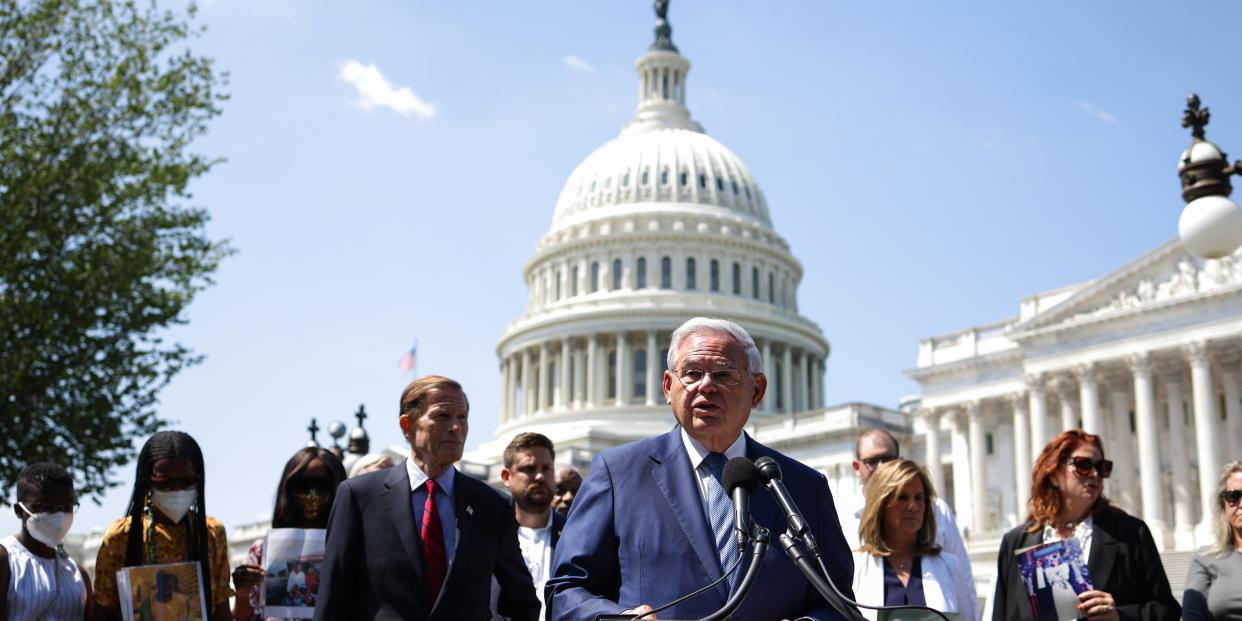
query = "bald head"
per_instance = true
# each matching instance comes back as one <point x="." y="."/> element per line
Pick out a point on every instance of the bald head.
<point x="875" y="446"/>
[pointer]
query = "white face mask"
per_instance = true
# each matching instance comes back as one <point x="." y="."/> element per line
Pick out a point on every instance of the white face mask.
<point x="174" y="504"/>
<point x="48" y="529"/>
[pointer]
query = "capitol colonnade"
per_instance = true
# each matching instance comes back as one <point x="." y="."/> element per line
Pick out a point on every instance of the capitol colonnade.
<point x="1148" y="357"/>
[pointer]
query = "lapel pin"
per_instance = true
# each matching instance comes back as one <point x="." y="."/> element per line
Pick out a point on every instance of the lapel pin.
<point x="469" y="510"/>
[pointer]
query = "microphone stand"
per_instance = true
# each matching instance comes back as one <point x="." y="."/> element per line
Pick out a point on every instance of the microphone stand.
<point x="759" y="537"/>
<point x="800" y="560"/>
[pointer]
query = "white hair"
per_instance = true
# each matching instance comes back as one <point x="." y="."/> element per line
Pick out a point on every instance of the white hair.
<point x="702" y="325"/>
<point x="367" y="461"/>
<point x="564" y="468"/>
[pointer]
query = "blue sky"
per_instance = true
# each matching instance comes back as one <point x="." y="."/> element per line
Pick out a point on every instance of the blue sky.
<point x="929" y="164"/>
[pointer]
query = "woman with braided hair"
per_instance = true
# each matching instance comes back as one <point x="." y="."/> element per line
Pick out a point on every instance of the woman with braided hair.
<point x="169" y="503"/>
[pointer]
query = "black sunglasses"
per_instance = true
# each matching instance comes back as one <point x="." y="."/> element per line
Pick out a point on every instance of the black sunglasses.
<point x="877" y="460"/>
<point x="1084" y="465"/>
<point x="1231" y="496"/>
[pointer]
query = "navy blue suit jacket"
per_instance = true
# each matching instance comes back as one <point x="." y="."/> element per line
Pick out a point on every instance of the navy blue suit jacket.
<point x="373" y="563"/>
<point x="637" y="534"/>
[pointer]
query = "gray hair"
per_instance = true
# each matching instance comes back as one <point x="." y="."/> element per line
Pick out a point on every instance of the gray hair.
<point x="367" y="461"/>
<point x="702" y="325"/>
<point x="1222" y="541"/>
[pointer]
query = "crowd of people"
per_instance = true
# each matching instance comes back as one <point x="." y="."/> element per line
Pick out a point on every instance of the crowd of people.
<point x="651" y="522"/>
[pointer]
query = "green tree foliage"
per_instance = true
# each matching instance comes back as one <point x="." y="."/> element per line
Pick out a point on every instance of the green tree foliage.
<point x="100" y="250"/>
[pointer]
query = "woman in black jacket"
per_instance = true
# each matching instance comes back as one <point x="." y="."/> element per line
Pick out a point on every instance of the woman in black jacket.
<point x="1067" y="500"/>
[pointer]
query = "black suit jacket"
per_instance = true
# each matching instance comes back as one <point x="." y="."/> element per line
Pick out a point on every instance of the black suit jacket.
<point x="1123" y="562"/>
<point x="373" y="567"/>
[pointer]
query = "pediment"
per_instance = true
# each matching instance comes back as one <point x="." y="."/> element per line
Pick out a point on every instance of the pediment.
<point x="1164" y="276"/>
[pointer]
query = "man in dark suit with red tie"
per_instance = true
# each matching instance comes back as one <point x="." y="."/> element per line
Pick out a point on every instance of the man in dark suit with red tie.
<point x="421" y="541"/>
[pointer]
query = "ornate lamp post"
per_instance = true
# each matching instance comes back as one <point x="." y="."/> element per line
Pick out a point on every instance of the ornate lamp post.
<point x="1211" y="223"/>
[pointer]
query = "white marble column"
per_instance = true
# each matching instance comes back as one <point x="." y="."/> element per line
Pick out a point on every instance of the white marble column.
<point x="624" y="386"/>
<point x="1120" y="448"/>
<point x="1021" y="453"/>
<point x="580" y="374"/>
<point x="1089" y="398"/>
<point x="504" y="390"/>
<point x="804" y="379"/>
<point x="768" y="404"/>
<point x="787" y="379"/>
<point x="1183" y="505"/>
<point x="1149" y="447"/>
<point x="653" y="368"/>
<point x="528" y="384"/>
<point x="960" y="446"/>
<point x="1207" y="425"/>
<point x="935" y="468"/>
<point x="1039" y="413"/>
<point x="978" y="466"/>
<point x="1233" y="407"/>
<point x="545" y="383"/>
<point x="593" y="371"/>
<point x="562" y="395"/>
<point x="1065" y="394"/>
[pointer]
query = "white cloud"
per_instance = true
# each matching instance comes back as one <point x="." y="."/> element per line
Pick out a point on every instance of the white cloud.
<point x="1090" y="109"/>
<point x="573" y="62"/>
<point x="374" y="90"/>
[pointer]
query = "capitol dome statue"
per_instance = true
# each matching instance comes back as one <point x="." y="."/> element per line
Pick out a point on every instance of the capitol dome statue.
<point x="658" y="225"/>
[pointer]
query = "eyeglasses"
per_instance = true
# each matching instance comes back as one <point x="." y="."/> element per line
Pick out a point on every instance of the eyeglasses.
<point x="1084" y="465"/>
<point x="720" y="377"/>
<point x="876" y="460"/>
<point x="1231" y="496"/>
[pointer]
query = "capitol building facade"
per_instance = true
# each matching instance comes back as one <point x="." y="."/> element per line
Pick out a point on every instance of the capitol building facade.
<point x="664" y="223"/>
<point x="658" y="225"/>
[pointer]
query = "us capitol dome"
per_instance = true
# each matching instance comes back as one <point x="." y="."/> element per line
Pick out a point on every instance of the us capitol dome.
<point x="658" y="225"/>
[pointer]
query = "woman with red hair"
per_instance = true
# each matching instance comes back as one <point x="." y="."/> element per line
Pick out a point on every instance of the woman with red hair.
<point x="1067" y="500"/>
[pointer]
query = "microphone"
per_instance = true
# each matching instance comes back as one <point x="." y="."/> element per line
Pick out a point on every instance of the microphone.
<point x="770" y="476"/>
<point x="739" y="480"/>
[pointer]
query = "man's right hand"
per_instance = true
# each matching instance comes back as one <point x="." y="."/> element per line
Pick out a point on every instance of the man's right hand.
<point x="640" y="611"/>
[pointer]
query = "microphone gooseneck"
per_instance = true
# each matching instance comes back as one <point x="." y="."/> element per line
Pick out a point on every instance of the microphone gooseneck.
<point x="739" y="480"/>
<point x="760" y="537"/>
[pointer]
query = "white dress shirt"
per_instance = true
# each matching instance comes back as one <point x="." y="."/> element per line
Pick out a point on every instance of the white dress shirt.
<point x="697" y="453"/>
<point x="444" y="504"/>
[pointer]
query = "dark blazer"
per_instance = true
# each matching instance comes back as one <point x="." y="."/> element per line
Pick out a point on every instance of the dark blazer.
<point x="1123" y="562"/>
<point x="373" y="567"/>
<point x="637" y="534"/>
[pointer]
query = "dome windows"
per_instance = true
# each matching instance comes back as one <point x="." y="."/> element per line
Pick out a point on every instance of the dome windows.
<point x="573" y="281"/>
<point x="685" y="177"/>
<point x="666" y="273"/>
<point x="754" y="282"/>
<point x="690" y="280"/>
<point x="737" y="279"/>
<point x="625" y="181"/>
<point x="703" y="181"/>
<point x="714" y="276"/>
<point x="719" y="184"/>
<point x="644" y="177"/>
<point x="616" y="274"/>
<point x="641" y="273"/>
<point x="734" y="188"/>
<point x="594" y="276"/>
<point x="664" y="176"/>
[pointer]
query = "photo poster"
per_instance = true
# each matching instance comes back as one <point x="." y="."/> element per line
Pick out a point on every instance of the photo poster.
<point x="292" y="562"/>
<point x="171" y="592"/>
<point x="1054" y="574"/>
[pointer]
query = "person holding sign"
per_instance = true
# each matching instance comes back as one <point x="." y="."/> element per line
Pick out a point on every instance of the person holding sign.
<point x="898" y="562"/>
<point x="1067" y="500"/>
<point x="303" y="500"/>
<point x="167" y="523"/>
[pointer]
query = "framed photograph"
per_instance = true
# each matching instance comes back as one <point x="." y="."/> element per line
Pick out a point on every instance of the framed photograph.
<point x="293" y="563"/>
<point x="171" y="592"/>
<point x="1054" y="574"/>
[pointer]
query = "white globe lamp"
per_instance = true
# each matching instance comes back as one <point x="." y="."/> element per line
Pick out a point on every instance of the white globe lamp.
<point x="1211" y="223"/>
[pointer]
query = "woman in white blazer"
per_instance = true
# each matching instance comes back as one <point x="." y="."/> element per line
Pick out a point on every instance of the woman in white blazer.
<point x="898" y="561"/>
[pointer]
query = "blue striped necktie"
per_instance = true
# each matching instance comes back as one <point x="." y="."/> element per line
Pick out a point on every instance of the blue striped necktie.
<point x="720" y="513"/>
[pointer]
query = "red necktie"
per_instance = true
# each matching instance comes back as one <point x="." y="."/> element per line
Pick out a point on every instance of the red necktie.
<point x="435" y="562"/>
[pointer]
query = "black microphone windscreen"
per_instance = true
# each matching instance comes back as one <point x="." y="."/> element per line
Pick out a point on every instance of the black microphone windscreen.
<point x="739" y="471"/>
<point x="768" y="469"/>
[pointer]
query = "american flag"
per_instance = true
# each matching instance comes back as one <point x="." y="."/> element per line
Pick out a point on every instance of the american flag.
<point x="409" y="360"/>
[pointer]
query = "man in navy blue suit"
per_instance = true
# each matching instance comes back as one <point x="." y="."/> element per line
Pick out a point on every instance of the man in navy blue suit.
<point x="647" y="525"/>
